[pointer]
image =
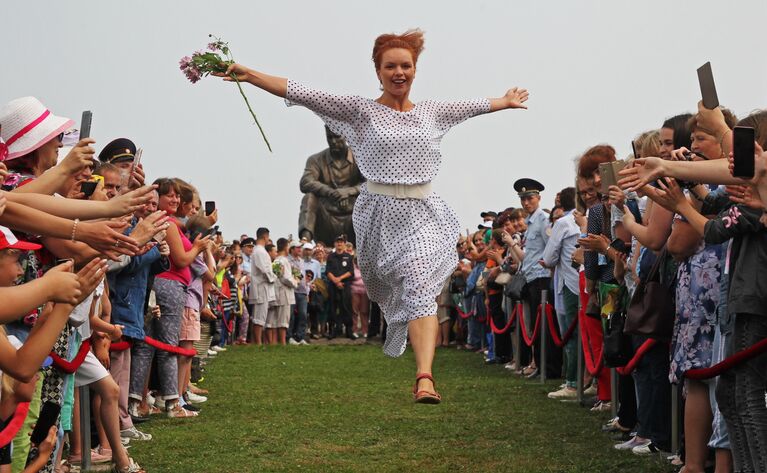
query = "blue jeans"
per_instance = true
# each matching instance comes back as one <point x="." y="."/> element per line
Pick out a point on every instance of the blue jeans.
<point x="476" y="335"/>
<point x="653" y="393"/>
<point x="227" y="317"/>
<point x="297" y="328"/>
<point x="740" y="394"/>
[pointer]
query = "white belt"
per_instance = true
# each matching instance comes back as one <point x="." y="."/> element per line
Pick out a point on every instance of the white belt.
<point x="400" y="191"/>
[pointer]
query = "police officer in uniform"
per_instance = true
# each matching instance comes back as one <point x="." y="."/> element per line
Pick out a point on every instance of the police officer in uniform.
<point x="340" y="273"/>
<point x="538" y="278"/>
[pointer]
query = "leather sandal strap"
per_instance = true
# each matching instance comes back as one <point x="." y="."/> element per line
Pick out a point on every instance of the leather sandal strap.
<point x="421" y="376"/>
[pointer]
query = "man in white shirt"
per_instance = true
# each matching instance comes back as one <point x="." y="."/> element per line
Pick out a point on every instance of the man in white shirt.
<point x="558" y="255"/>
<point x="261" y="285"/>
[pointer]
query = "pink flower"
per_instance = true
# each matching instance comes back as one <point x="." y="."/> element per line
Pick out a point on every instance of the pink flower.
<point x="189" y="69"/>
<point x="213" y="46"/>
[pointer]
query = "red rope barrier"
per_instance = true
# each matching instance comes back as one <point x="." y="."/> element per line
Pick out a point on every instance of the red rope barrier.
<point x="553" y="329"/>
<point x="632" y="364"/>
<point x="170" y="348"/>
<point x="593" y="360"/>
<point x="466" y="315"/>
<point x="529" y="340"/>
<point x="120" y="346"/>
<point x="70" y="367"/>
<point x="729" y="363"/>
<point x="508" y="323"/>
<point x="15" y="424"/>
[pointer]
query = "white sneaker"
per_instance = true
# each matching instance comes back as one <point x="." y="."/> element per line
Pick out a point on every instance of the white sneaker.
<point x="134" y="434"/>
<point x="212" y="352"/>
<point x="512" y="365"/>
<point x="303" y="342"/>
<point x="630" y="444"/>
<point x="292" y="341"/>
<point x="195" y="398"/>
<point x="564" y="393"/>
<point x="647" y="449"/>
<point x="218" y="348"/>
<point x="591" y="390"/>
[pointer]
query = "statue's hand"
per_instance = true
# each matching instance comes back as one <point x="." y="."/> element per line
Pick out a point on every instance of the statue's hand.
<point x="336" y="195"/>
<point x="347" y="192"/>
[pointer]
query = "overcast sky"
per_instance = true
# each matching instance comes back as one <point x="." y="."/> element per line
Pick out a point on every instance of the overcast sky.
<point x="598" y="72"/>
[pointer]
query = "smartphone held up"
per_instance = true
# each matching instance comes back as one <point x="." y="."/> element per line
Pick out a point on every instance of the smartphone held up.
<point x="743" y="149"/>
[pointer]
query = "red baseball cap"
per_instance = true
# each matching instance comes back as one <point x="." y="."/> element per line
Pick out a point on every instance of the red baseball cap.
<point x="9" y="240"/>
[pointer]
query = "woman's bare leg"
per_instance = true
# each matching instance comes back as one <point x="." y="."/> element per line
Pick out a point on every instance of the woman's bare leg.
<point x="423" y="338"/>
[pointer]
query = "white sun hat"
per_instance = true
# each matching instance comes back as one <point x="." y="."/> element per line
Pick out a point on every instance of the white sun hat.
<point x="27" y="125"/>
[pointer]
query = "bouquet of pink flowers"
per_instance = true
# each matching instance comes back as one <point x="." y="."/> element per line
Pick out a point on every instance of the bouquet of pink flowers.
<point x="202" y="63"/>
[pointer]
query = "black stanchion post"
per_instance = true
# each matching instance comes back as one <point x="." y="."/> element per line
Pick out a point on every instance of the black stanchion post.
<point x="614" y="392"/>
<point x="579" y="354"/>
<point x="543" y="327"/>
<point x="517" y="338"/>
<point x="85" y="427"/>
<point x="674" y="418"/>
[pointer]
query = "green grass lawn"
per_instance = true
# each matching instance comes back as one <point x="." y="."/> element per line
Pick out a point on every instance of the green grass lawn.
<point x="349" y="408"/>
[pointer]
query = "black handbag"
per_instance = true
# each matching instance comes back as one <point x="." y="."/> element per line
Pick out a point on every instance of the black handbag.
<point x="514" y="289"/>
<point x="617" y="344"/>
<point x="652" y="309"/>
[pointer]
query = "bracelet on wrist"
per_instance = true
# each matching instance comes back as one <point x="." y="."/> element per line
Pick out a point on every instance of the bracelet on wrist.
<point x="74" y="228"/>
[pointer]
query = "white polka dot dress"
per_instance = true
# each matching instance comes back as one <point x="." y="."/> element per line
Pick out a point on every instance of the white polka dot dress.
<point x="406" y="248"/>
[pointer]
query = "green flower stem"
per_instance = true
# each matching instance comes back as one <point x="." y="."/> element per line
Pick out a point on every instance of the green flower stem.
<point x="233" y="76"/>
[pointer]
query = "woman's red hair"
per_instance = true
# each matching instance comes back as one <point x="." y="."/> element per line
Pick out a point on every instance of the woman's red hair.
<point x="412" y="40"/>
<point x="592" y="158"/>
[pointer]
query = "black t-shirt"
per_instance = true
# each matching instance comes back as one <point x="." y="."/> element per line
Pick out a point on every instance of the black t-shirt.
<point x="340" y="264"/>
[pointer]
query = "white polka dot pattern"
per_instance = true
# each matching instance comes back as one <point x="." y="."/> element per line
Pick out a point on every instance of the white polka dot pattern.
<point x="406" y="247"/>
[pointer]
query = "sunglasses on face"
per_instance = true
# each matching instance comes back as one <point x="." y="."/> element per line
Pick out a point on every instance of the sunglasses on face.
<point x="60" y="137"/>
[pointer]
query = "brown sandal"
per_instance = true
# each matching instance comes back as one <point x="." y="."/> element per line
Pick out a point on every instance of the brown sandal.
<point x="423" y="396"/>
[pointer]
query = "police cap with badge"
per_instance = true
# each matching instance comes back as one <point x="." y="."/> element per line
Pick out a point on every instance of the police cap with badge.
<point x="118" y="151"/>
<point x="527" y="187"/>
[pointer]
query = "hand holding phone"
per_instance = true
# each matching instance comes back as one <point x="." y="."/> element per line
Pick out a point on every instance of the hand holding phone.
<point x="210" y="206"/>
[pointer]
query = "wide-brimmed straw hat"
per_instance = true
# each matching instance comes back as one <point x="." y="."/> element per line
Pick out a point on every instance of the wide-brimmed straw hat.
<point x="27" y="125"/>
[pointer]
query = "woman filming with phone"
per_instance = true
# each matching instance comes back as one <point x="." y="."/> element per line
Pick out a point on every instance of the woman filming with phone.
<point x="170" y="288"/>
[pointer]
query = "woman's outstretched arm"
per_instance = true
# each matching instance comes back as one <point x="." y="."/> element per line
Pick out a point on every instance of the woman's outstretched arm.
<point x="272" y="84"/>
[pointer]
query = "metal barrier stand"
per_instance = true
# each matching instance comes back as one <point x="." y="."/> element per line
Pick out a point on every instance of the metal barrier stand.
<point x="674" y="418"/>
<point x="85" y="427"/>
<point x="517" y="337"/>
<point x="579" y="351"/>
<point x="614" y="392"/>
<point x="543" y="329"/>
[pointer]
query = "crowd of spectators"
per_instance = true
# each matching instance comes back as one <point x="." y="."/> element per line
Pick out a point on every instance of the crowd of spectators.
<point x="655" y="268"/>
<point x="130" y="289"/>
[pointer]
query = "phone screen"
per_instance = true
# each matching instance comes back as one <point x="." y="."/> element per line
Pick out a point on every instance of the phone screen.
<point x="210" y="206"/>
<point x="743" y="152"/>
<point x="136" y="162"/>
